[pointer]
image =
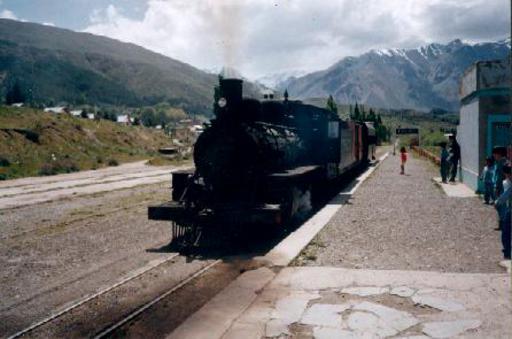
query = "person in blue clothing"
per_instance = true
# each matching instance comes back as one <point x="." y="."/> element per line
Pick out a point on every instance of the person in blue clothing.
<point x="445" y="163"/>
<point x="499" y="154"/>
<point x="487" y="178"/>
<point x="503" y="206"/>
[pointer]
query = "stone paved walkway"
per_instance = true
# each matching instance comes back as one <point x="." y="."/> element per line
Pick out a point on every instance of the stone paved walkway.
<point x="407" y="222"/>
<point x="331" y="303"/>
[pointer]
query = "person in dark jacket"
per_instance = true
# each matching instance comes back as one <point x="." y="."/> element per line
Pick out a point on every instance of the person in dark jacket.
<point x="445" y="164"/>
<point x="454" y="157"/>
<point x="503" y="206"/>
<point x="499" y="154"/>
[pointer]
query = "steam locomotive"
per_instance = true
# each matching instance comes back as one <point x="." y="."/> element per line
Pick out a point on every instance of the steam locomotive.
<point x="263" y="162"/>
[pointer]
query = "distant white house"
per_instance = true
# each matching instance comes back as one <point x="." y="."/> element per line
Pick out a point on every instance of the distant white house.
<point x="198" y="129"/>
<point x="56" y="110"/>
<point x="158" y="126"/>
<point x="90" y="116"/>
<point x="124" y="119"/>
<point x="76" y="112"/>
<point x="17" y="104"/>
<point x="268" y="94"/>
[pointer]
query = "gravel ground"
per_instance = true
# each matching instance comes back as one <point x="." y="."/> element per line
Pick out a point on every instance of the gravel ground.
<point x="36" y="190"/>
<point x="56" y="252"/>
<point x="406" y="222"/>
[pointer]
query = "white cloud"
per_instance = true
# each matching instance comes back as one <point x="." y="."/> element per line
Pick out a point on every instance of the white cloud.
<point x="7" y="14"/>
<point x="264" y="36"/>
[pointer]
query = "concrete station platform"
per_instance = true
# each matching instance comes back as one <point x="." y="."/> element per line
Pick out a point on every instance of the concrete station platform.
<point x="455" y="189"/>
<point x="278" y="301"/>
<point x="330" y="303"/>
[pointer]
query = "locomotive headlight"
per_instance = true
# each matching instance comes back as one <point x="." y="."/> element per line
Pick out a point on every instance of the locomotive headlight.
<point x="222" y="102"/>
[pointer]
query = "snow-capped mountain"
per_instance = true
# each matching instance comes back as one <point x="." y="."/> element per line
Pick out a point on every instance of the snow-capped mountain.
<point x="423" y="78"/>
<point x="280" y="78"/>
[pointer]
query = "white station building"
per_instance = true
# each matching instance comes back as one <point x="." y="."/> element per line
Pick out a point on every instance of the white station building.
<point x="485" y="116"/>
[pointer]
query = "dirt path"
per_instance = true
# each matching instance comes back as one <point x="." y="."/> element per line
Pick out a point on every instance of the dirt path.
<point x="29" y="191"/>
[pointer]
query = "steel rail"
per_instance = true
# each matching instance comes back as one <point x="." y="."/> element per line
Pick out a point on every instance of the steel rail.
<point x="143" y="308"/>
<point x="90" y="297"/>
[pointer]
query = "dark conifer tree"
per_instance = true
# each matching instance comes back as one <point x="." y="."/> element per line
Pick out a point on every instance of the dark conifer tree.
<point x="331" y="105"/>
<point x="357" y="114"/>
<point x="14" y="94"/>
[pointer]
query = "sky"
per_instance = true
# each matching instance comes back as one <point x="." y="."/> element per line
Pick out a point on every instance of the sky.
<point x="262" y="37"/>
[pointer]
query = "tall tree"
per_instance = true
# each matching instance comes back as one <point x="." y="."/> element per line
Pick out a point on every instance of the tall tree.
<point x="15" y="94"/>
<point x="363" y="114"/>
<point x="357" y="114"/>
<point x="148" y="117"/>
<point x="371" y="116"/>
<point x="331" y="105"/>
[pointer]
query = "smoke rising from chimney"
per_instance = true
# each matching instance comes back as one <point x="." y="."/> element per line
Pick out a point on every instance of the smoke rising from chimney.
<point x="227" y="17"/>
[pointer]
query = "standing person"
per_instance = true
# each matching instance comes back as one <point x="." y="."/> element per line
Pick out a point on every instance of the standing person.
<point x="403" y="159"/>
<point x="454" y="157"/>
<point x="445" y="164"/>
<point x="503" y="207"/>
<point x="487" y="178"/>
<point x="498" y="153"/>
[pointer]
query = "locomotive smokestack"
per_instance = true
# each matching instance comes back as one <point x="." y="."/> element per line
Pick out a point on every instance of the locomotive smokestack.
<point x="231" y="90"/>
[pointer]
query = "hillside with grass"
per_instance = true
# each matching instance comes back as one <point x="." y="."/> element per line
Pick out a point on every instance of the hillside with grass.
<point x="33" y="142"/>
<point x="53" y="65"/>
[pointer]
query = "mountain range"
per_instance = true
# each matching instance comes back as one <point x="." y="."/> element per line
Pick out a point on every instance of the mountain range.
<point x="53" y="65"/>
<point x="423" y="78"/>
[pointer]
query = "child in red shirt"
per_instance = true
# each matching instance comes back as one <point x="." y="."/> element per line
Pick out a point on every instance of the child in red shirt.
<point x="403" y="160"/>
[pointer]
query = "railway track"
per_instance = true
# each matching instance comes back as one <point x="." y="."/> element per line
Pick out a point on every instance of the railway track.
<point x="111" y="329"/>
<point x="104" y="291"/>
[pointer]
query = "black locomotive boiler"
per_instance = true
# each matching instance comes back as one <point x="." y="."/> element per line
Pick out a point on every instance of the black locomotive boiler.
<point x="262" y="162"/>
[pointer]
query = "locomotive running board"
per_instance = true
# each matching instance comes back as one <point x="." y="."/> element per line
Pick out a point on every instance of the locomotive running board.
<point x="167" y="211"/>
<point x="297" y="173"/>
<point x="173" y="211"/>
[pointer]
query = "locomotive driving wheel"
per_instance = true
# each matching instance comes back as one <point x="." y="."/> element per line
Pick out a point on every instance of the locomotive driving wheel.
<point x="185" y="235"/>
<point x="296" y="201"/>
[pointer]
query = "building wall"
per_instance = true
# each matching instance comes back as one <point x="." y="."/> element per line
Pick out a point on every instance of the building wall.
<point x="468" y="136"/>
<point x="493" y="74"/>
<point x="468" y="83"/>
<point x="485" y="109"/>
<point x="494" y="108"/>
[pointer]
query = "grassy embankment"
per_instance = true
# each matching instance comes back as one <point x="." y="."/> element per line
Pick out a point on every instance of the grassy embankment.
<point x="432" y="127"/>
<point x="36" y="143"/>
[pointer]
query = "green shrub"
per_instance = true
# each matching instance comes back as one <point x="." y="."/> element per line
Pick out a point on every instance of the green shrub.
<point x="29" y="135"/>
<point x="4" y="162"/>
<point x="433" y="138"/>
<point x="3" y="176"/>
<point x="59" y="166"/>
<point x="113" y="162"/>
